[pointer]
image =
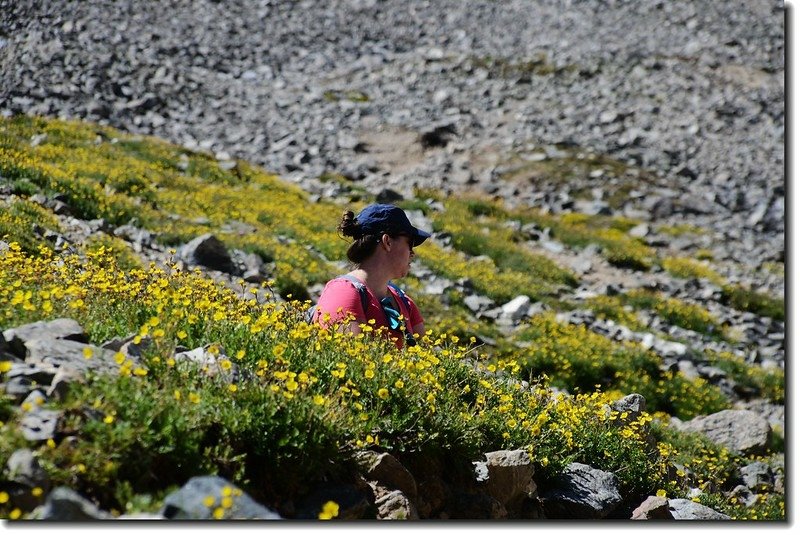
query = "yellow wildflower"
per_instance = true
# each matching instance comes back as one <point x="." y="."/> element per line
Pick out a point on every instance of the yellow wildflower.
<point x="329" y="510"/>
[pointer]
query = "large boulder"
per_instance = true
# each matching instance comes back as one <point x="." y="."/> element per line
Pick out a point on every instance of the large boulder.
<point x="582" y="492"/>
<point x="741" y="431"/>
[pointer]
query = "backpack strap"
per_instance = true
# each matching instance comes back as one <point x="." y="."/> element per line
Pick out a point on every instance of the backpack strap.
<point x="409" y="335"/>
<point x="362" y="291"/>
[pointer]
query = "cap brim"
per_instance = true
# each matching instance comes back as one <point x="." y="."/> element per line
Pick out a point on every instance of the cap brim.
<point x="420" y="236"/>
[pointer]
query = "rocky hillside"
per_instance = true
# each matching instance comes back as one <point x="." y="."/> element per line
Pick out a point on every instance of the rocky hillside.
<point x="604" y="181"/>
<point x="667" y="111"/>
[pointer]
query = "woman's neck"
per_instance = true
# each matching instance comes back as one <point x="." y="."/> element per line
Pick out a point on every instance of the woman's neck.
<point x="374" y="277"/>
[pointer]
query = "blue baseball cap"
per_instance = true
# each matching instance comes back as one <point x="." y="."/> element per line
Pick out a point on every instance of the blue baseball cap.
<point x="389" y="219"/>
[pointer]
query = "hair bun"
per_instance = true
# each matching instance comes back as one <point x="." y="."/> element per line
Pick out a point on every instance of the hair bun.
<point x="349" y="225"/>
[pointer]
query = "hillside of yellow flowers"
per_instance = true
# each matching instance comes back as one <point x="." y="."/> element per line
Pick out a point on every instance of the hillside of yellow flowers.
<point x="130" y="376"/>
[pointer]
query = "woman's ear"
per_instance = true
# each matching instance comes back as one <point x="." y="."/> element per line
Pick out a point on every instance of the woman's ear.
<point x="386" y="241"/>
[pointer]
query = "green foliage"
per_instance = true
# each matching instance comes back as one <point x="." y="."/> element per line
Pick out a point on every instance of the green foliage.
<point x="762" y="304"/>
<point x="686" y="268"/>
<point x="612" y="308"/>
<point x="578" y="360"/>
<point x="19" y="221"/>
<point x="768" y="383"/>
<point x="125" y="258"/>
<point x="352" y="95"/>
<point x="676" y="312"/>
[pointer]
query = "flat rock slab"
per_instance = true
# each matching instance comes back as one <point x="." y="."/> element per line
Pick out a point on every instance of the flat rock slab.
<point x="683" y="509"/>
<point x="57" y="329"/>
<point x="67" y="355"/>
<point x="66" y="505"/>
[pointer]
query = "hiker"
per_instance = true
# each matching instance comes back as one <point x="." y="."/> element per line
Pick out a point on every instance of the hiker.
<point x="382" y="249"/>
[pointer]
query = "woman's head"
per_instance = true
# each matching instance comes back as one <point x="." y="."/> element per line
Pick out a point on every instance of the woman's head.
<point x="372" y="224"/>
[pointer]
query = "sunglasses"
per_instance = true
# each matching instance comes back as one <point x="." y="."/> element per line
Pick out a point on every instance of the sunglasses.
<point x="410" y="241"/>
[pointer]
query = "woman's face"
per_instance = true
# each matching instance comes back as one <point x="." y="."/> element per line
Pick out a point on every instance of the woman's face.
<point x="403" y="253"/>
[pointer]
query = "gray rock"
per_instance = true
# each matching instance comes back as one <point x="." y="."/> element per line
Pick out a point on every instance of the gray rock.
<point x="23" y="378"/>
<point x="552" y="246"/>
<point x="478" y="303"/>
<point x="653" y="508"/>
<point x="142" y="238"/>
<point x="582" y="492"/>
<point x="5" y="350"/>
<point x="507" y="477"/>
<point x="388" y="196"/>
<point x="438" y="286"/>
<point x="66" y="505"/>
<point x="741" y="431"/>
<point x="70" y="357"/>
<point x="250" y="265"/>
<point x="59" y="386"/>
<point x="211" y="364"/>
<point x="188" y="503"/>
<point x="639" y="231"/>
<point x="209" y="252"/>
<point x="23" y="475"/>
<point x="517" y="308"/>
<point x="688" y="369"/>
<point x="394" y="505"/>
<point x="387" y="471"/>
<point x="758" y="477"/>
<point x="634" y="405"/>
<point x="57" y="329"/>
<point x="683" y="509"/>
<point x="593" y="207"/>
<point x="744" y="495"/>
<point x="38" y="425"/>
<point x="23" y="467"/>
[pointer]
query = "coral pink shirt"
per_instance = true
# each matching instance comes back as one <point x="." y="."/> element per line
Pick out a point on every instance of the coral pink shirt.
<point x="340" y="297"/>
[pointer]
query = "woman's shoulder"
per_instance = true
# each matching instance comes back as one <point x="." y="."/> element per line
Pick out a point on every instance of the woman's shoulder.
<point x="344" y="287"/>
<point x="345" y="281"/>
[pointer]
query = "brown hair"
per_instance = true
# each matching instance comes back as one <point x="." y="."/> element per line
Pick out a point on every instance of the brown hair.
<point x="363" y="245"/>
